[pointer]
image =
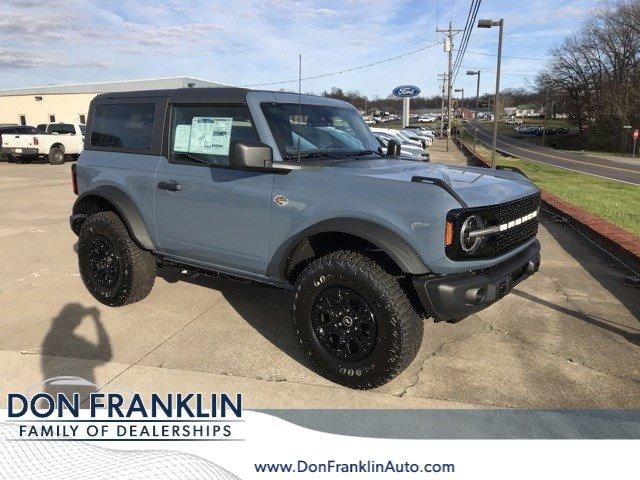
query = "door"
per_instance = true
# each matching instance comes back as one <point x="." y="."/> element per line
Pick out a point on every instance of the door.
<point x="212" y="215"/>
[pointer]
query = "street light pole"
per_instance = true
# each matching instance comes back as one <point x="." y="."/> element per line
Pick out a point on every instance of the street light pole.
<point x="444" y="76"/>
<point x="496" y="103"/>
<point x="475" y="122"/>
<point x="460" y="90"/>
<point x="448" y="47"/>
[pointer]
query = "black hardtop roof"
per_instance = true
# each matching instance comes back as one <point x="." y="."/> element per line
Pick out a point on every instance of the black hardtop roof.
<point x="221" y="94"/>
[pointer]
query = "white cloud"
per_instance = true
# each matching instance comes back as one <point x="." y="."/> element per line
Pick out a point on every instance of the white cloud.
<point x="13" y="59"/>
<point x="248" y="42"/>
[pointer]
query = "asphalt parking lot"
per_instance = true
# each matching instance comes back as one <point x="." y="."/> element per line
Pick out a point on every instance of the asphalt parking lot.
<point x="566" y="337"/>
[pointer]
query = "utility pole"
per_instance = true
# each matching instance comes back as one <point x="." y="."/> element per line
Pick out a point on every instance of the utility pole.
<point x="449" y="85"/>
<point x="448" y="47"/>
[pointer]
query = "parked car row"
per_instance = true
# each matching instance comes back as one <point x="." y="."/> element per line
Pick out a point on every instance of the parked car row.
<point x="538" y="130"/>
<point x="379" y="119"/>
<point x="55" y="141"/>
<point x="428" y="118"/>
<point x="413" y="141"/>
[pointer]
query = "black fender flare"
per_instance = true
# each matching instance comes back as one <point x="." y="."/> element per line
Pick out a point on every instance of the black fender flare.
<point x="391" y="243"/>
<point x="126" y="210"/>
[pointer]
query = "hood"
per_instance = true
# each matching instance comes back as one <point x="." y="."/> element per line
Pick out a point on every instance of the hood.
<point x="475" y="185"/>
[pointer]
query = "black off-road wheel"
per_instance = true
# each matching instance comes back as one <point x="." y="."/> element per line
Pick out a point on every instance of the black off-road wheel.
<point x="113" y="268"/>
<point x="56" y="156"/>
<point x="354" y="320"/>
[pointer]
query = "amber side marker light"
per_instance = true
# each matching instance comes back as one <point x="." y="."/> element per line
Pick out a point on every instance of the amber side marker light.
<point x="448" y="234"/>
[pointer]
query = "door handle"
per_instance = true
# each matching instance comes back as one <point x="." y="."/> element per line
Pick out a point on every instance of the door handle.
<point x="170" y="185"/>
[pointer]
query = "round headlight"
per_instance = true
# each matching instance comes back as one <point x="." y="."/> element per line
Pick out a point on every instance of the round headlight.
<point x="471" y="244"/>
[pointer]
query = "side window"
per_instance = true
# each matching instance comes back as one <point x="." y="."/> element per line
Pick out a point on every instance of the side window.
<point x="123" y="126"/>
<point x="208" y="131"/>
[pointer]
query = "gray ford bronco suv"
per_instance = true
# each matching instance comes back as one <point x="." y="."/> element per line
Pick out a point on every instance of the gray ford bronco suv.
<point x="294" y="191"/>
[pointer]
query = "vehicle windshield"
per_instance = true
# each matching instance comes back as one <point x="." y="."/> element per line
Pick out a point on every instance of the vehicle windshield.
<point x="318" y="130"/>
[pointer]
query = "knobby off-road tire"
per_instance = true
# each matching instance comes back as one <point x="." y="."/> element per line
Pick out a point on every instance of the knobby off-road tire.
<point x="113" y="268"/>
<point x="397" y="325"/>
<point x="56" y="156"/>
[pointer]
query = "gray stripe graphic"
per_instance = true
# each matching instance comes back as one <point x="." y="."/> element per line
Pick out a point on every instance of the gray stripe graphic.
<point x="470" y="424"/>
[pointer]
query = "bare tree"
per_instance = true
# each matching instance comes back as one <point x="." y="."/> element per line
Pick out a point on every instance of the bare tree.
<point x="594" y="74"/>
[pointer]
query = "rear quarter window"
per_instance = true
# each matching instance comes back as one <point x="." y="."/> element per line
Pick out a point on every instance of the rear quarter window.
<point x="123" y="126"/>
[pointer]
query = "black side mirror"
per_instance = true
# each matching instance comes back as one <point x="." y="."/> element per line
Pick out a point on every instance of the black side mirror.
<point x="250" y="155"/>
<point x="393" y="148"/>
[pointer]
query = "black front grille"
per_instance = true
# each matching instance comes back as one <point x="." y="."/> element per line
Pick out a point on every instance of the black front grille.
<point x="501" y="242"/>
<point x="507" y="212"/>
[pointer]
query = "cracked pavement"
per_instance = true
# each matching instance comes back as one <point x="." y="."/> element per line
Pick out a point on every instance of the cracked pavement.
<point x="568" y="337"/>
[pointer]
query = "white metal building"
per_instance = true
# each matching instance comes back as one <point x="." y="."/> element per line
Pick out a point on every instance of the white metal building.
<point x="70" y="103"/>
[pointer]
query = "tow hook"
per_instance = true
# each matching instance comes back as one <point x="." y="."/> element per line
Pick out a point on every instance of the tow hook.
<point x="533" y="266"/>
<point x="504" y="288"/>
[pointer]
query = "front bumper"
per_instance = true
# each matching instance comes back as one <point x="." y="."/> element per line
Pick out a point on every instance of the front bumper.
<point x="457" y="296"/>
<point x="19" y="151"/>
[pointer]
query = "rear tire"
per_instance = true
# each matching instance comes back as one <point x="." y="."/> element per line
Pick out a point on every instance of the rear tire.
<point x="113" y="268"/>
<point x="365" y="296"/>
<point x="56" y="156"/>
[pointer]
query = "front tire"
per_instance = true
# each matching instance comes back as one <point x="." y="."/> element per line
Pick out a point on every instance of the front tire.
<point x="354" y="320"/>
<point x="56" y="156"/>
<point x="113" y="268"/>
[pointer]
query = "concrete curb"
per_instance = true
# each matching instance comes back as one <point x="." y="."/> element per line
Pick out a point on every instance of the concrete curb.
<point x="615" y="240"/>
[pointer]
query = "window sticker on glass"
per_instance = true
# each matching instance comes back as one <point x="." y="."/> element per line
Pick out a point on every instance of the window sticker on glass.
<point x="210" y="135"/>
<point x="181" y="139"/>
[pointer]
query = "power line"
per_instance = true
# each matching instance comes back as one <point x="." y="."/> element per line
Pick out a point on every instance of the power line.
<point x="453" y="6"/>
<point x="471" y="20"/>
<point x="346" y="70"/>
<point x="506" y="56"/>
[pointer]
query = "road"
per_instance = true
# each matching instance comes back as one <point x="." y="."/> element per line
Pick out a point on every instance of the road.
<point x="568" y="336"/>
<point x="624" y="171"/>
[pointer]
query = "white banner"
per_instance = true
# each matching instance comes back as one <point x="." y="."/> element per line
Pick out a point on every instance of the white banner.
<point x="259" y="445"/>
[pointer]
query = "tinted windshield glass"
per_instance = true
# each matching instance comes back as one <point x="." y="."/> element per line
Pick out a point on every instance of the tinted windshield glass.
<point x="317" y="129"/>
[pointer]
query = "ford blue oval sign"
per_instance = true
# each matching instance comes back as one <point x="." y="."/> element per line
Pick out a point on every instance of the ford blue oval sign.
<point x="406" y="91"/>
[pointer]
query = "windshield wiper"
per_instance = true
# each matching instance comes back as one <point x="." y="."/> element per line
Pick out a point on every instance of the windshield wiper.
<point x="314" y="155"/>
<point x="193" y="158"/>
<point x="362" y="153"/>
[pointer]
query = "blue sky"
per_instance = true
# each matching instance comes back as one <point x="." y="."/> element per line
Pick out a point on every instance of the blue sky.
<point x="245" y="42"/>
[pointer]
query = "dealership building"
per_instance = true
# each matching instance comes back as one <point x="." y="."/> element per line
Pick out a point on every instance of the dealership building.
<point x="70" y="103"/>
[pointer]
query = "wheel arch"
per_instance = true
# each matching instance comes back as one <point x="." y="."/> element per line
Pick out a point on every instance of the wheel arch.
<point x="343" y="233"/>
<point x="108" y="198"/>
<point x="58" y="145"/>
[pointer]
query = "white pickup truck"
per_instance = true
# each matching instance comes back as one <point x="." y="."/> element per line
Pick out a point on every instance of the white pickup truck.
<point x="58" y="142"/>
